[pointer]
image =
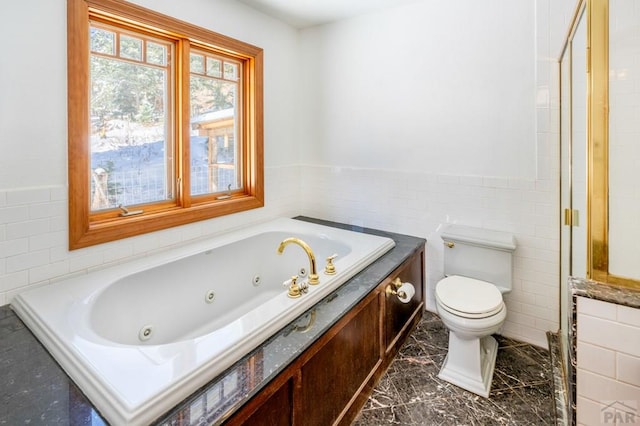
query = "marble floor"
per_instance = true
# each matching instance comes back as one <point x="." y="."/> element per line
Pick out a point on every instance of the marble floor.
<point x="410" y="392"/>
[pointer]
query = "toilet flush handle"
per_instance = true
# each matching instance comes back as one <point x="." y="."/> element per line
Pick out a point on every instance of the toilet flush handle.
<point x="449" y="244"/>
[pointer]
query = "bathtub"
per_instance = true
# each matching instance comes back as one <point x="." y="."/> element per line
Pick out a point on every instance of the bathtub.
<point x="140" y="337"/>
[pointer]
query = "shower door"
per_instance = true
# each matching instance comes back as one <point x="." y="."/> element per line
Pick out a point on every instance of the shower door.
<point x="600" y="154"/>
<point x="573" y="167"/>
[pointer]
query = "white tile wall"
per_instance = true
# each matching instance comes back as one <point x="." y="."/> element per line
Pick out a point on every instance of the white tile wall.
<point x="597" y="359"/>
<point x="608" y="370"/>
<point x="610" y="334"/>
<point x="412" y="203"/>
<point x="33" y="233"/>
<point x="419" y="203"/>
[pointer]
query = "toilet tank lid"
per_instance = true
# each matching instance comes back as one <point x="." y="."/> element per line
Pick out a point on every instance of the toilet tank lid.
<point x="479" y="236"/>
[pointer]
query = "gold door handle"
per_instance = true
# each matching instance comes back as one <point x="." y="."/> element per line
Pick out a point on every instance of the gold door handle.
<point x="571" y="217"/>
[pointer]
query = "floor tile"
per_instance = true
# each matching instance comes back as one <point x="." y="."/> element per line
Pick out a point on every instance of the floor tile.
<point x="410" y="392"/>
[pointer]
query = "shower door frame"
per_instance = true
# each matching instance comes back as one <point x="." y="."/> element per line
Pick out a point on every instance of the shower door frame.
<point x="567" y="155"/>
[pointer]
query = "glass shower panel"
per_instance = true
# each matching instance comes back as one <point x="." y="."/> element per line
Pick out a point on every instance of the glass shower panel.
<point x="579" y="149"/>
<point x="573" y="171"/>
<point x="565" y="190"/>
<point x="624" y="137"/>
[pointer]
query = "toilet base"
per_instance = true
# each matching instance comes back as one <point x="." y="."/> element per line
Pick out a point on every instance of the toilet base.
<point x="470" y="363"/>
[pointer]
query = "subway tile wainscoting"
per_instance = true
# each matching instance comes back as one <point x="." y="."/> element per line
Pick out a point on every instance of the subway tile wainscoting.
<point x="608" y="369"/>
<point x="604" y="376"/>
<point x="421" y="202"/>
<point x="33" y="233"/>
<point x="34" y="229"/>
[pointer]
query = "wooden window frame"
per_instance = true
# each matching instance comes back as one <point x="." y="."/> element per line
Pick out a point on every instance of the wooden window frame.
<point x="87" y="229"/>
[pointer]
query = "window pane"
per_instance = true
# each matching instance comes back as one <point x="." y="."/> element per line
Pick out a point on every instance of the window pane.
<point x="230" y="71"/>
<point x="197" y="63"/>
<point x="130" y="47"/>
<point x="102" y="41"/>
<point x="156" y="54"/>
<point x="214" y="131"/>
<point x="214" y="67"/>
<point x="129" y="144"/>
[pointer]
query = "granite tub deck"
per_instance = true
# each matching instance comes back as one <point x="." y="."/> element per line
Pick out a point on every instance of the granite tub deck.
<point x="410" y="393"/>
<point x="140" y="337"/>
<point x="35" y="390"/>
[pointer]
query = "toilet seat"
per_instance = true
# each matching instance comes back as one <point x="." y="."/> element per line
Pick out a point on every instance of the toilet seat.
<point x="468" y="297"/>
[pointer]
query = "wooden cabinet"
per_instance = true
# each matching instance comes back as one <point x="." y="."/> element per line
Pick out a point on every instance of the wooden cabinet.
<point x="341" y="367"/>
<point x="275" y="409"/>
<point x="330" y="382"/>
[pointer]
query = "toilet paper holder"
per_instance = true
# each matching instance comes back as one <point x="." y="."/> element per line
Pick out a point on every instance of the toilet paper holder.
<point x="394" y="288"/>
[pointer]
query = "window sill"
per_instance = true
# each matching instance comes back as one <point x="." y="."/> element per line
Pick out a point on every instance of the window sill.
<point x="99" y="232"/>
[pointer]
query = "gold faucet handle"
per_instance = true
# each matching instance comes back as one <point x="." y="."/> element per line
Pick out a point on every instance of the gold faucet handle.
<point x="287" y="283"/>
<point x="294" y="289"/>
<point x="330" y="268"/>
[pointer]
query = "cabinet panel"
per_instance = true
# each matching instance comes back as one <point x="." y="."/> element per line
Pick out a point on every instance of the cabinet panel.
<point x="276" y="410"/>
<point x="335" y="374"/>
<point x="398" y="314"/>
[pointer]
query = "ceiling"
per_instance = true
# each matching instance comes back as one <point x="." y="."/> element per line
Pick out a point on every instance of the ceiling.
<point x="307" y="13"/>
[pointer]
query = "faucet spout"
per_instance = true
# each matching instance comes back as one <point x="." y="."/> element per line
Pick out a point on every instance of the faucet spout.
<point x="313" y="274"/>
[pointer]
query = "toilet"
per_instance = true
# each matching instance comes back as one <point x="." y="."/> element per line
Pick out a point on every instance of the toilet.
<point x="478" y="271"/>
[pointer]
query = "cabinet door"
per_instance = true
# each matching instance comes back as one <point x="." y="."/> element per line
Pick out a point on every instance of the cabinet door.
<point x="397" y="313"/>
<point x="275" y="410"/>
<point x="332" y="377"/>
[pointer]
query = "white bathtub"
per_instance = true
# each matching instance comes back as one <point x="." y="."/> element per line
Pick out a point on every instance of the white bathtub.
<point x="140" y="337"/>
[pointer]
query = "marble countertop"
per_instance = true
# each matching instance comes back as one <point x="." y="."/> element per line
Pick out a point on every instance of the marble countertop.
<point x="607" y="293"/>
<point x="35" y="390"/>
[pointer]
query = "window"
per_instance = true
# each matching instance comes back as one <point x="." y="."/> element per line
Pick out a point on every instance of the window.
<point x="165" y="122"/>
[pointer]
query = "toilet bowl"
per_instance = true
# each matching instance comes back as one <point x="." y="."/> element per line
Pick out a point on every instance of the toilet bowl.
<point x="478" y="270"/>
<point x="472" y="310"/>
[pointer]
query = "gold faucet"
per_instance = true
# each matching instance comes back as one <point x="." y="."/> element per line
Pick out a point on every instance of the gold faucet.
<point x="313" y="275"/>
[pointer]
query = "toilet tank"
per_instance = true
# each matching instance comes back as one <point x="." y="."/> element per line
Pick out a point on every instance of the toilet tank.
<point x="479" y="253"/>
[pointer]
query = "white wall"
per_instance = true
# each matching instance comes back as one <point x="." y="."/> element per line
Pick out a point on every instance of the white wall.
<point x="440" y="112"/>
<point x="400" y="120"/>
<point x="430" y="86"/>
<point x="33" y="101"/>
<point x="33" y="182"/>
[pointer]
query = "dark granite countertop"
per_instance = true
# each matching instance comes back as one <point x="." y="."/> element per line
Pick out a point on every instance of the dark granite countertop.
<point x="605" y="292"/>
<point x="35" y="390"/>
